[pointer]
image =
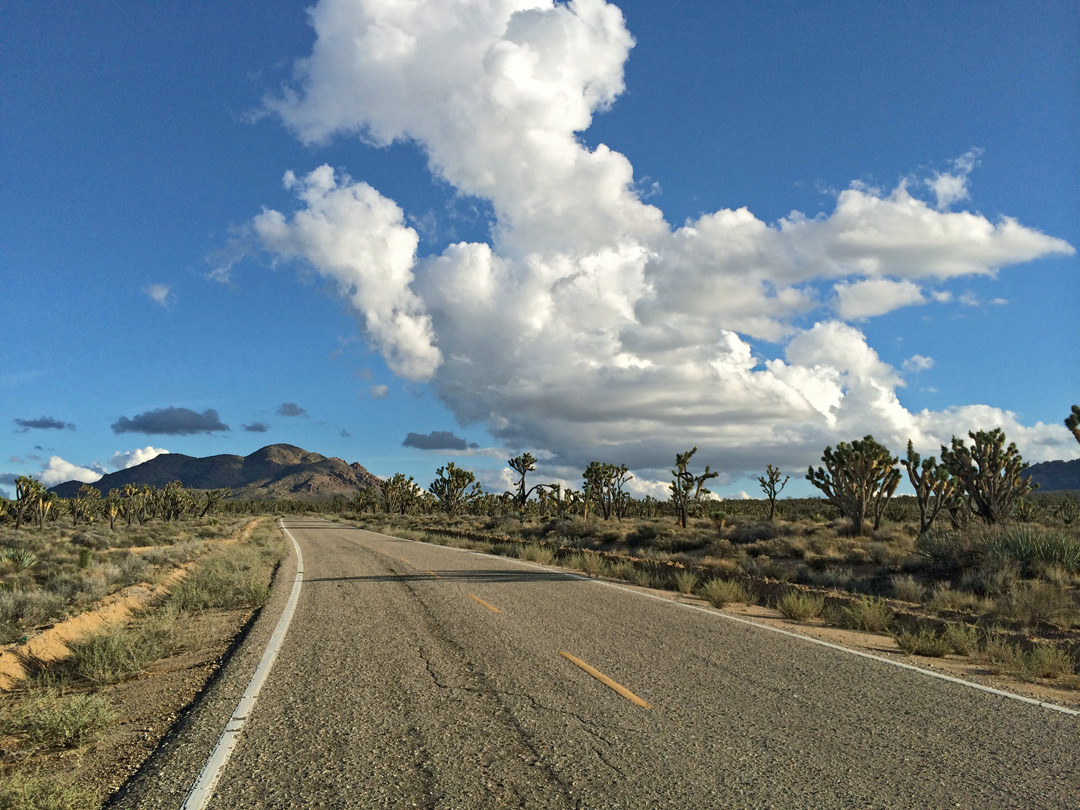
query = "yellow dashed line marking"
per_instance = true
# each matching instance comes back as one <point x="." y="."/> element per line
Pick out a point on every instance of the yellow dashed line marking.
<point x="433" y="574"/>
<point x="404" y="560"/>
<point x="492" y="608"/>
<point x="605" y="680"/>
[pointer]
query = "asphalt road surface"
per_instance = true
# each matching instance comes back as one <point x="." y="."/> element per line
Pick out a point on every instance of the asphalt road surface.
<point x="419" y="676"/>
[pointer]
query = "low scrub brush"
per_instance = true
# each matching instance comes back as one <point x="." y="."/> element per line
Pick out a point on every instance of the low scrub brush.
<point x="800" y="607"/>
<point x="924" y="642"/>
<point x="720" y="592"/>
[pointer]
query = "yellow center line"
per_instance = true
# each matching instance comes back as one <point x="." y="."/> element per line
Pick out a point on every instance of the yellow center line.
<point x="433" y="574"/>
<point x="492" y="608"/>
<point x="605" y="680"/>
<point x="404" y="560"/>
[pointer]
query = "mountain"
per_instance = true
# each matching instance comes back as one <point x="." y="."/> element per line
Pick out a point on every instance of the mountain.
<point x="275" y="471"/>
<point x="1055" y="475"/>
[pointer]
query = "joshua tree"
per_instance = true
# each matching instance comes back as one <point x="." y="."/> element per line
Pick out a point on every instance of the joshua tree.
<point x="1072" y="422"/>
<point x="685" y="483"/>
<point x="451" y="488"/>
<point x="28" y="491"/>
<point x="213" y="498"/>
<point x="399" y="494"/>
<point x="769" y="486"/>
<point x="112" y="506"/>
<point x="935" y="489"/>
<point x="859" y="479"/>
<point x="83" y="504"/>
<point x="988" y="474"/>
<point x="604" y="482"/>
<point x="525" y="463"/>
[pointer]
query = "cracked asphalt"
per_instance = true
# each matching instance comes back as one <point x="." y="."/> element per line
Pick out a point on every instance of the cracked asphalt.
<point x="394" y="689"/>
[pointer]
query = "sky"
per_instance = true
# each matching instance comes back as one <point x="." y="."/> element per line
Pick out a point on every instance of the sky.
<point x="405" y="232"/>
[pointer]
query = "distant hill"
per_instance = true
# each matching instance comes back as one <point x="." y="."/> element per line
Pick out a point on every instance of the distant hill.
<point x="275" y="471"/>
<point x="1055" y="475"/>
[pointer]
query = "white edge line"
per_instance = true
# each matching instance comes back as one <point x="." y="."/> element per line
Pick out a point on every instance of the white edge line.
<point x="738" y="619"/>
<point x="203" y="788"/>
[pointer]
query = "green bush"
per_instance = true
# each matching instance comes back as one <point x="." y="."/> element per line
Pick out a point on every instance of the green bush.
<point x="924" y="642"/>
<point x="905" y="588"/>
<point x="800" y="607"/>
<point x="720" y="592"/>
<point x="867" y="613"/>
<point x="686" y="581"/>
<point x="52" y="720"/>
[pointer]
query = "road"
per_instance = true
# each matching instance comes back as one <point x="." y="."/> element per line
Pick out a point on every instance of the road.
<point x="419" y="676"/>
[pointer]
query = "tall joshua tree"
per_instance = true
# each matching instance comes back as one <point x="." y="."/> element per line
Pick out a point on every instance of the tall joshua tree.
<point x="523" y="464"/>
<point x="686" y="486"/>
<point x="451" y="488"/>
<point x="772" y="486"/>
<point x="859" y="479"/>
<point x="934" y="487"/>
<point x="988" y="473"/>
<point x="1072" y="422"/>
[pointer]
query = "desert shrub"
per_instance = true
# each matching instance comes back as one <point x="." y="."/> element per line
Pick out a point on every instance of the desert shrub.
<point x="593" y="564"/>
<point x="720" y="592"/>
<point x="949" y="552"/>
<point x="53" y="720"/>
<point x="642" y="577"/>
<point x="90" y="540"/>
<point x="1035" y="603"/>
<point x="30" y="608"/>
<point x="753" y="532"/>
<point x="686" y="581"/>
<point x="574" y="560"/>
<point x="943" y="597"/>
<point x="992" y="577"/>
<point x="118" y="654"/>
<point x="538" y="554"/>
<point x="800" y="607"/>
<point x="923" y="641"/>
<point x="962" y="638"/>
<point x="621" y="569"/>
<point x="23" y="790"/>
<point x="905" y="588"/>
<point x="1034" y="549"/>
<point x="236" y="578"/>
<point x="1044" y="661"/>
<point x="867" y="613"/>
<point x="840" y="578"/>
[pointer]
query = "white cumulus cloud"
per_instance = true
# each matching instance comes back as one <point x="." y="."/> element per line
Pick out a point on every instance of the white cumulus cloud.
<point x="58" y="471"/>
<point x="587" y="326"/>
<point x="131" y="458"/>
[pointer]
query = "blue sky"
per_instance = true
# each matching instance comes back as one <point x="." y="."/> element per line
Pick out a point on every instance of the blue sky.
<point x="563" y="229"/>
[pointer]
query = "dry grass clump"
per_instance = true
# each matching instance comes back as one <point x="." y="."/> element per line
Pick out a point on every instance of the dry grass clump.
<point x="865" y="613"/>
<point x="720" y="592"/>
<point x="538" y="554"/>
<point x="924" y="641"/>
<point x="800" y="607"/>
<point x="905" y="588"/>
<point x="962" y="638"/>
<point x="27" y="790"/>
<point x="51" y="719"/>
<point x="686" y="581"/>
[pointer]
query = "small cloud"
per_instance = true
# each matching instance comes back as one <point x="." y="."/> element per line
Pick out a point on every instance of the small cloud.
<point x="16" y="460"/>
<point x="290" y="409"/>
<point x="871" y="297"/>
<point x="436" y="440"/>
<point x="257" y="427"/>
<point x="942" y="296"/>
<point x="132" y="458"/>
<point x="160" y="293"/>
<point x="379" y="391"/>
<point x="43" y="423"/>
<point x="999" y="302"/>
<point x="345" y="434"/>
<point x="969" y="299"/>
<point x="918" y="362"/>
<point x="57" y="471"/>
<point x="953" y="187"/>
<point x="171" y="422"/>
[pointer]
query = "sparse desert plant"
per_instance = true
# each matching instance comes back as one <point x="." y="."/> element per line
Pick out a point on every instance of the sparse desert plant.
<point x="28" y="790"/>
<point x="771" y="485"/>
<point x="538" y="554"/>
<point x="622" y="569"/>
<point x="800" y="607"/>
<point x="1045" y="661"/>
<point x="720" y="592"/>
<point x="934" y="487"/>
<point x="642" y="577"/>
<point x="867" y="613"/>
<point x="962" y="638"/>
<point x="1034" y="603"/>
<point x="54" y="720"/>
<point x="686" y="581"/>
<point x="905" y="588"/>
<point x="593" y="564"/>
<point x="944" y="597"/>
<point x="924" y="641"/>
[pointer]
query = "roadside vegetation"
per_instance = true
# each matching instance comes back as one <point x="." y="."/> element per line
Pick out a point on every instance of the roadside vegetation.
<point x="64" y="707"/>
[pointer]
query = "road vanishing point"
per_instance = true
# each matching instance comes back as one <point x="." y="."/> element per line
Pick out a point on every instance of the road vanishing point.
<point x="417" y="676"/>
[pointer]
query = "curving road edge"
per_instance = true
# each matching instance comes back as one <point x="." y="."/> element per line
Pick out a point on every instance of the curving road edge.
<point x="203" y="789"/>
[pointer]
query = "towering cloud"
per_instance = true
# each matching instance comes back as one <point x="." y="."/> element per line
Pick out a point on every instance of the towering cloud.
<point x="588" y="326"/>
